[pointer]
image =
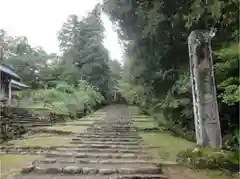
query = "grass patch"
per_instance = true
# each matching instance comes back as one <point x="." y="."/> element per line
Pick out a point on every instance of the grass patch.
<point x="43" y="140"/>
<point x="147" y="124"/>
<point x="68" y="128"/>
<point x="133" y="109"/>
<point x="14" y="163"/>
<point x="182" y="172"/>
<point x="164" y="146"/>
<point x="140" y="117"/>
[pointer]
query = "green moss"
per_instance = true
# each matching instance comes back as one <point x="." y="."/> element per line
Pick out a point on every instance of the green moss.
<point x="164" y="146"/>
<point x="43" y="140"/>
<point x="14" y="163"/>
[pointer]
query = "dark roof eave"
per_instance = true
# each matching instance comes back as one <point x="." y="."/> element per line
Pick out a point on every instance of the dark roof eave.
<point x="18" y="84"/>
<point x="9" y="71"/>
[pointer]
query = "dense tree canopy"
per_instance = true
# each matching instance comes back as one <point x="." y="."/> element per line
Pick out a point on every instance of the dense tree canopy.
<point x="81" y="43"/>
<point x="156" y="58"/>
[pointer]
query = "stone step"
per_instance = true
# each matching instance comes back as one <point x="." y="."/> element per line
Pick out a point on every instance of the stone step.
<point x="107" y="135"/>
<point x="92" y="150"/>
<point x="105" y="143"/>
<point x="83" y="150"/>
<point x="74" y="149"/>
<point x="30" y="121"/>
<point x="96" y="136"/>
<point x="91" y="176"/>
<point x="111" y="130"/>
<point x="112" y="125"/>
<point x="33" y="124"/>
<point x="74" y="124"/>
<point x="114" y="121"/>
<point x="52" y="131"/>
<point x="102" y="122"/>
<point x="141" y="120"/>
<point x="96" y="161"/>
<point x="107" y="139"/>
<point x="118" y="123"/>
<point x="112" y="134"/>
<point x="79" y="146"/>
<point x="87" y="120"/>
<point x="104" y="169"/>
<point x="26" y="118"/>
<point x="98" y="155"/>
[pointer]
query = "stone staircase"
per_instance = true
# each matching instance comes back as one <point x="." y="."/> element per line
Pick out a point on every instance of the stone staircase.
<point x="110" y="148"/>
<point x="22" y="117"/>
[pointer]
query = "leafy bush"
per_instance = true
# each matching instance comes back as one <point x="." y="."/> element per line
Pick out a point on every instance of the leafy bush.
<point x="66" y="99"/>
<point x="209" y="158"/>
<point x="227" y="72"/>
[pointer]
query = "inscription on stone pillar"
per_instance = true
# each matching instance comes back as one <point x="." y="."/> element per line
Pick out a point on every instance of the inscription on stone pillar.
<point x="206" y="116"/>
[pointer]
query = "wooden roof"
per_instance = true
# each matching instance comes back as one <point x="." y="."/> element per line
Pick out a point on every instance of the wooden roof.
<point x="8" y="70"/>
<point x="17" y="84"/>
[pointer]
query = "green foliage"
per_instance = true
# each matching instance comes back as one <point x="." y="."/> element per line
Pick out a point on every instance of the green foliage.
<point x="75" y="82"/>
<point x="66" y="99"/>
<point x="156" y="68"/>
<point x="208" y="158"/>
<point x="81" y="44"/>
<point x="227" y="74"/>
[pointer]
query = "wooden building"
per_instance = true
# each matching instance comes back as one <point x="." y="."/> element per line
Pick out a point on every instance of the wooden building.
<point x="9" y="81"/>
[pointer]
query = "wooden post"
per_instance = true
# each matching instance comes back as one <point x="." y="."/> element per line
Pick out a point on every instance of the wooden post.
<point x="9" y="92"/>
<point x="115" y="95"/>
<point x="2" y="43"/>
<point x="206" y="116"/>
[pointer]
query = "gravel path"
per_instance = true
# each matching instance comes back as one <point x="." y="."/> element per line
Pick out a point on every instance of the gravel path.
<point x="109" y="148"/>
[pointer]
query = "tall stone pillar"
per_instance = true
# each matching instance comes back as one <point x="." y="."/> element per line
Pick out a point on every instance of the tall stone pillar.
<point x="206" y="116"/>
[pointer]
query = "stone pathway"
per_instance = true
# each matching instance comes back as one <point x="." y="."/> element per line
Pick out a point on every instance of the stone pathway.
<point x="109" y="149"/>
